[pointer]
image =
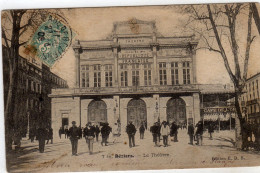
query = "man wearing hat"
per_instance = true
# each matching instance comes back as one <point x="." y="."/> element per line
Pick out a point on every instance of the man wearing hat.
<point x="89" y="134"/>
<point x="199" y="133"/>
<point x="131" y="130"/>
<point x="74" y="136"/>
<point x="174" y="131"/>
<point x="165" y="131"/>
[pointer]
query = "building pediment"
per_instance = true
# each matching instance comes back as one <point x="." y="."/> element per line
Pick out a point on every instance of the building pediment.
<point x="134" y="26"/>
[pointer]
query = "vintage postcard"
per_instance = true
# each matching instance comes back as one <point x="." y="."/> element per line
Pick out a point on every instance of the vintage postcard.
<point x="131" y="88"/>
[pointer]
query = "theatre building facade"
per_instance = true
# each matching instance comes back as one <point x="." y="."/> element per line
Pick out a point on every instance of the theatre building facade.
<point x="135" y="74"/>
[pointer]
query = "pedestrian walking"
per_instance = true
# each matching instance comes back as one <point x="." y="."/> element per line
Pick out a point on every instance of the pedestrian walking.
<point x="245" y="135"/>
<point x="50" y="136"/>
<point x="174" y="131"/>
<point x="142" y="130"/>
<point x="89" y="134"/>
<point x="191" y="132"/>
<point x="32" y="134"/>
<point x="199" y="133"/>
<point x="165" y="131"/>
<point x="66" y="131"/>
<point x="131" y="130"/>
<point x="41" y="136"/>
<point x="74" y="136"/>
<point x="154" y="130"/>
<point x="97" y="131"/>
<point x="210" y="130"/>
<point x="105" y="131"/>
<point x="115" y="131"/>
<point x="60" y="132"/>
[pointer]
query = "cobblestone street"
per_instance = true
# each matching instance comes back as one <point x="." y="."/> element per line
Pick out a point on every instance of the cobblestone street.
<point x="57" y="156"/>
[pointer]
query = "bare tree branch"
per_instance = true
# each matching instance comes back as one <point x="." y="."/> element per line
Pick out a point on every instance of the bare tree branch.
<point x="248" y="44"/>
<point x="223" y="53"/>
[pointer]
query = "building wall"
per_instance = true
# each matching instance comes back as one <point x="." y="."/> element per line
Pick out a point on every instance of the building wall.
<point x="130" y="57"/>
<point x="70" y="106"/>
<point x="250" y="100"/>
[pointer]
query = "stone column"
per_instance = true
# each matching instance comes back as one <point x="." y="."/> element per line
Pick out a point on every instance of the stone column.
<point x="115" y="54"/>
<point x="77" y="112"/>
<point x="180" y="70"/>
<point x="91" y="76"/>
<point x="155" y="69"/>
<point x="156" y="107"/>
<point x="141" y="74"/>
<point x="168" y="73"/>
<point x="193" y="66"/>
<point x="116" y="108"/>
<point x="77" y="63"/>
<point x="103" y="80"/>
<point x="129" y="75"/>
<point x="154" y="53"/>
<point x="196" y="107"/>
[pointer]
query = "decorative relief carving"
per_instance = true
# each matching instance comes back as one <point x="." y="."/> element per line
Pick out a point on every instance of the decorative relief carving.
<point x="173" y="51"/>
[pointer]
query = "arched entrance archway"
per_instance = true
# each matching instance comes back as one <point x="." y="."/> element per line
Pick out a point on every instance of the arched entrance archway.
<point x="97" y="111"/>
<point x="176" y="110"/>
<point x="136" y="112"/>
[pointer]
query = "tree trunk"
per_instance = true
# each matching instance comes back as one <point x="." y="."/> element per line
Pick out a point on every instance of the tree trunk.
<point x="239" y="122"/>
<point x="10" y="105"/>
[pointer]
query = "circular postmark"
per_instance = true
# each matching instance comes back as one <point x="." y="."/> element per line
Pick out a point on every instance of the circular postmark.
<point x="52" y="39"/>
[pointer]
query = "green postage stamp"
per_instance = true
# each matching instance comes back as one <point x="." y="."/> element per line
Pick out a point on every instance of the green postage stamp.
<point x="52" y="39"/>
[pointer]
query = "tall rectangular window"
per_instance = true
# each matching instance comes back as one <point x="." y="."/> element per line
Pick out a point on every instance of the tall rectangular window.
<point x="108" y="75"/>
<point x="135" y="75"/>
<point x="84" y="76"/>
<point x="97" y="75"/>
<point x="186" y="72"/>
<point x="147" y="75"/>
<point x="162" y="73"/>
<point x="174" y="73"/>
<point x="123" y="75"/>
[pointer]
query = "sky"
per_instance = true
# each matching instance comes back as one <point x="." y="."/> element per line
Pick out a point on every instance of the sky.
<point x="97" y="23"/>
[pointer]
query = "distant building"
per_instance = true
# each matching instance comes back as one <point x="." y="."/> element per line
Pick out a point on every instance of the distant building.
<point x="217" y="106"/>
<point x="34" y="84"/>
<point x="250" y="100"/>
<point x="135" y="74"/>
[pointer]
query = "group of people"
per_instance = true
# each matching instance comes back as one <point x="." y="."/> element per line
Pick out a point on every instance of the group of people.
<point x="250" y="135"/>
<point x="43" y="134"/>
<point x="89" y="133"/>
<point x="164" y="130"/>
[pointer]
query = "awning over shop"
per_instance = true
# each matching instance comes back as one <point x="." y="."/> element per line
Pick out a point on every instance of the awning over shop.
<point x="221" y="117"/>
<point x="215" y="113"/>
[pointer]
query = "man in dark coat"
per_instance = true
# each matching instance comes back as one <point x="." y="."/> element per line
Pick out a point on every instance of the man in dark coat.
<point x="41" y="136"/>
<point x="155" y="132"/>
<point x="97" y="131"/>
<point x="60" y="132"/>
<point x="89" y="134"/>
<point x="174" y="131"/>
<point x="74" y="136"/>
<point x="105" y="131"/>
<point x="66" y="133"/>
<point x="131" y="130"/>
<point x="199" y="133"/>
<point x="210" y="130"/>
<point x="141" y="130"/>
<point x="32" y="132"/>
<point x="50" y="136"/>
<point x="191" y="132"/>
